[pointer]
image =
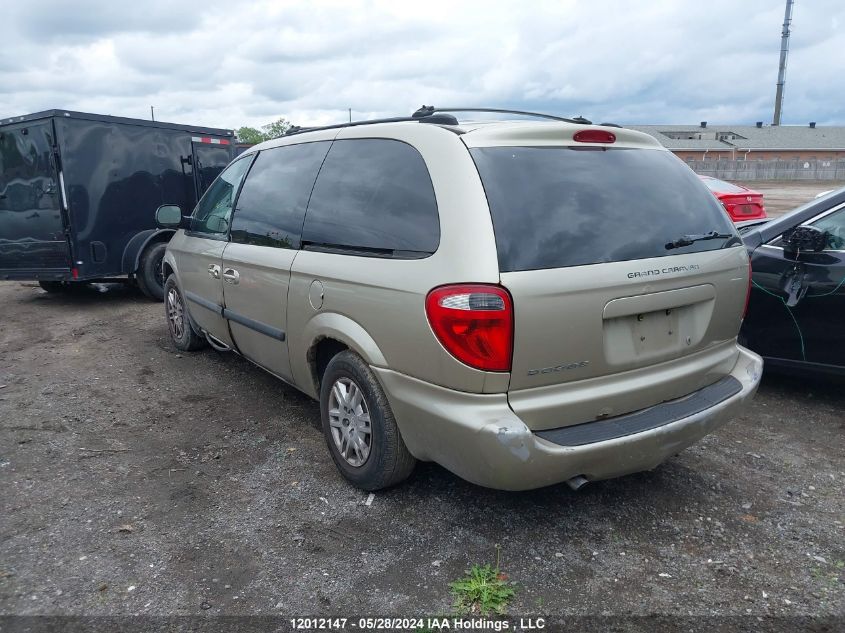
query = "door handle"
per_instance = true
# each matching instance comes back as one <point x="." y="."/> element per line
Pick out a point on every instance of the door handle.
<point x="214" y="271"/>
<point x="231" y="275"/>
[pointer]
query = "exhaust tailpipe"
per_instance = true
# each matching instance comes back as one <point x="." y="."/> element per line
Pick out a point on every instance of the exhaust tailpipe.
<point x="577" y="482"/>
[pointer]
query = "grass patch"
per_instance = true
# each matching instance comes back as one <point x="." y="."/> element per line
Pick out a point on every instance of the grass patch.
<point x="484" y="589"/>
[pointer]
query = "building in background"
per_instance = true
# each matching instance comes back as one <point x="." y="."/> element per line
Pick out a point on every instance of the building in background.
<point x="705" y="142"/>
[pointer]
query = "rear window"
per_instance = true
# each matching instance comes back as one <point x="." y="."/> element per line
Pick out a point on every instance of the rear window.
<point x="557" y="206"/>
<point x="720" y="186"/>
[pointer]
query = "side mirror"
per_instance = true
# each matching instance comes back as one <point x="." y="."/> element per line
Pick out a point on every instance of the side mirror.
<point x="804" y="239"/>
<point x="168" y="216"/>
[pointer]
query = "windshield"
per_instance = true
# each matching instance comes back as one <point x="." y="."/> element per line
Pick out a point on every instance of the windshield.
<point x="558" y="206"/>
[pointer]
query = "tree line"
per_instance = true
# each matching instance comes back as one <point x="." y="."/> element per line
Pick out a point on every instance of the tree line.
<point x="253" y="135"/>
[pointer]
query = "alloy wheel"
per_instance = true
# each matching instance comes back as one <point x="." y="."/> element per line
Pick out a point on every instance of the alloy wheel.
<point x="349" y="421"/>
<point x="175" y="314"/>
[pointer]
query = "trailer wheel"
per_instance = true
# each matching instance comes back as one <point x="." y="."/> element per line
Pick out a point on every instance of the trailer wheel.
<point x="149" y="274"/>
<point x="52" y="286"/>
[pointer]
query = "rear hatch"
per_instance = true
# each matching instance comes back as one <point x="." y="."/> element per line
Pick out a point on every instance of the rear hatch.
<point x="32" y="230"/>
<point x="607" y="318"/>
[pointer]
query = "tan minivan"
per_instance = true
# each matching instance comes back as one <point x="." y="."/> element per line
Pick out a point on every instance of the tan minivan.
<point x="523" y="302"/>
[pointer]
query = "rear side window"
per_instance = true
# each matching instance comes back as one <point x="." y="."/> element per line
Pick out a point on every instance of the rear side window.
<point x="271" y="205"/>
<point x="557" y="206"/>
<point x="373" y="197"/>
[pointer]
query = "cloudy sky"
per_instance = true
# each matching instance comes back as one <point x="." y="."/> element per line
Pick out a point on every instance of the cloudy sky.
<point x="227" y="64"/>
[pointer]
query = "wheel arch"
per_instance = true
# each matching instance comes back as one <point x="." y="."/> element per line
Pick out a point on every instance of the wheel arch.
<point x="138" y="244"/>
<point x="167" y="269"/>
<point x="329" y="333"/>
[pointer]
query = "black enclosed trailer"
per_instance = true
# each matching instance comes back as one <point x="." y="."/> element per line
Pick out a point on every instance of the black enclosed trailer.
<point x="78" y="194"/>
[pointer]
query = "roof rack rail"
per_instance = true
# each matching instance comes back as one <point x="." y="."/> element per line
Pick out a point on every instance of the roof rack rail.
<point x="443" y="119"/>
<point x="427" y="111"/>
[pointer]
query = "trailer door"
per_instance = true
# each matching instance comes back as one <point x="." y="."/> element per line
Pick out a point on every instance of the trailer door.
<point x="33" y="242"/>
<point x="211" y="155"/>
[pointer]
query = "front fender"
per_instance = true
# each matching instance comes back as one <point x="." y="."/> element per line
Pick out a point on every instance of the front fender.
<point x="170" y="260"/>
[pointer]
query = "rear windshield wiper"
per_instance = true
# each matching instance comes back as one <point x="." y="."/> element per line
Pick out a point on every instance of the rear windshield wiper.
<point x="688" y="240"/>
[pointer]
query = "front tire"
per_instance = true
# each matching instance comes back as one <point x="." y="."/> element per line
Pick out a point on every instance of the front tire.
<point x="149" y="275"/>
<point x="182" y="332"/>
<point x="358" y="423"/>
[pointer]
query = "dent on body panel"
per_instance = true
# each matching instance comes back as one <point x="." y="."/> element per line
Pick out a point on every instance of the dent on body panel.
<point x="513" y="435"/>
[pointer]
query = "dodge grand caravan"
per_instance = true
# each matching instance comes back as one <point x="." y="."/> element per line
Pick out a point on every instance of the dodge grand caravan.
<point x="522" y="302"/>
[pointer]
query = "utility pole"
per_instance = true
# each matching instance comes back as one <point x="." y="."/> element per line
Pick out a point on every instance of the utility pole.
<point x="784" y="50"/>
<point x="152" y="113"/>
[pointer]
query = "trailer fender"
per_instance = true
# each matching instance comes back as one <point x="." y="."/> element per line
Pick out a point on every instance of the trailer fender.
<point x="136" y="246"/>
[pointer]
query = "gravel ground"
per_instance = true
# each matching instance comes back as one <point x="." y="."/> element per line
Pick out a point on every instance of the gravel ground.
<point x="137" y="479"/>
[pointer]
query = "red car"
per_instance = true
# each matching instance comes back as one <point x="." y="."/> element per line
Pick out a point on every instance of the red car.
<point x="740" y="202"/>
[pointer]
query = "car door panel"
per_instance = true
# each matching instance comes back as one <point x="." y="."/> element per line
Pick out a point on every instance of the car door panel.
<point x="821" y="310"/>
<point x="256" y="303"/>
<point x="198" y="260"/>
<point x="769" y="327"/>
<point x="798" y="300"/>
<point x="824" y="299"/>
<point x="265" y="238"/>
<point x="198" y="251"/>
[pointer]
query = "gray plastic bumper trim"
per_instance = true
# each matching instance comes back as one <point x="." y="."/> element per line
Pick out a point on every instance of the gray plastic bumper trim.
<point x="645" y="419"/>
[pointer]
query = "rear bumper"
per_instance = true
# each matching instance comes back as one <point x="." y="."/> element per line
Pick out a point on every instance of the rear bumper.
<point x="480" y="438"/>
<point x="35" y="274"/>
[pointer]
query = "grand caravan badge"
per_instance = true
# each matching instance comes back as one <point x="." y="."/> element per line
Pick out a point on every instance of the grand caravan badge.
<point x="669" y="270"/>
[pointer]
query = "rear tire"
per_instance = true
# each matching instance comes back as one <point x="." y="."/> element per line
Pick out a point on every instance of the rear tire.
<point x="52" y="286"/>
<point x="149" y="275"/>
<point x="359" y="426"/>
<point x="182" y="332"/>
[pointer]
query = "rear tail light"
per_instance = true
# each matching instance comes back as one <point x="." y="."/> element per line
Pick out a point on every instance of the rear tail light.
<point x="74" y="272"/>
<point x="747" y="292"/>
<point x="594" y="136"/>
<point x="474" y="323"/>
